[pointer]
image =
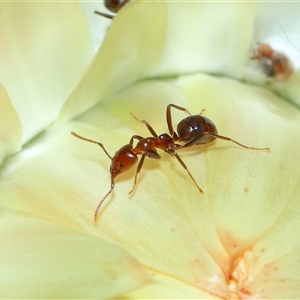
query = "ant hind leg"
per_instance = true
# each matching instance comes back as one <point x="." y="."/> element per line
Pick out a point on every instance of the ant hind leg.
<point x="225" y="138"/>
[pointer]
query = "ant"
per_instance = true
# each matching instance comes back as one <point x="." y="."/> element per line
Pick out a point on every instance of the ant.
<point x="112" y="5"/>
<point x="193" y="130"/>
<point x="273" y="63"/>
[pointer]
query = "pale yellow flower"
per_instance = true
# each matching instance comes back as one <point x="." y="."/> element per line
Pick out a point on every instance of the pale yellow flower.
<point x="238" y="240"/>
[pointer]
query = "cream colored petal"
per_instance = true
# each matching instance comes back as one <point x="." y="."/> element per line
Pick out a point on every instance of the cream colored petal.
<point x="207" y="37"/>
<point x="253" y="201"/>
<point x="167" y="287"/>
<point x="133" y="49"/>
<point x="98" y="25"/>
<point x="63" y="183"/>
<point x="248" y="196"/>
<point x="45" y="47"/>
<point x="10" y="127"/>
<point x="43" y="260"/>
<point x="130" y="51"/>
<point x="207" y="241"/>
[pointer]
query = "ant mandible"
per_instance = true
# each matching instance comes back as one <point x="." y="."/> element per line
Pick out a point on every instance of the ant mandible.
<point x="193" y="130"/>
<point x="112" y="5"/>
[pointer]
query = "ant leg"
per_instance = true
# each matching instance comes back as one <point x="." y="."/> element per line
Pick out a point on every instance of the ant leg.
<point x="91" y="141"/>
<point x="137" y="137"/>
<point x="185" y="167"/>
<point x="154" y="134"/>
<point x="231" y="140"/>
<point x="169" y="116"/>
<point x="137" y="172"/>
<point x="103" y="14"/>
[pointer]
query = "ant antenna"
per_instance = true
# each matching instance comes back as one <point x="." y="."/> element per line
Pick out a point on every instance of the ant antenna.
<point x="102" y="200"/>
<point x="91" y="141"/>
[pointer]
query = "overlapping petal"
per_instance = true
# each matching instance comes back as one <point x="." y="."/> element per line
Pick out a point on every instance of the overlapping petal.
<point x="10" y="127"/>
<point x="237" y="240"/>
<point x="200" y="240"/>
<point x="43" y="260"/>
<point x="45" y="47"/>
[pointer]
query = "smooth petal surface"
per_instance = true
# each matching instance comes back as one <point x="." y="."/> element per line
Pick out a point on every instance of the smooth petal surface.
<point x="239" y="239"/>
<point x="207" y="37"/>
<point x="43" y="260"/>
<point x="130" y="51"/>
<point x="10" y="127"/>
<point x="164" y="48"/>
<point x="45" y="47"/>
<point x="219" y="243"/>
<point x="98" y="25"/>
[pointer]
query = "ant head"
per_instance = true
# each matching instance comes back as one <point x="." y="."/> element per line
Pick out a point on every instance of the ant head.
<point x="115" y="5"/>
<point x="122" y="161"/>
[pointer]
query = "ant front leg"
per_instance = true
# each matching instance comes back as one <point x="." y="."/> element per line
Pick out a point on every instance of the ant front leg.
<point x="138" y="170"/>
<point x="169" y="116"/>
<point x="140" y="165"/>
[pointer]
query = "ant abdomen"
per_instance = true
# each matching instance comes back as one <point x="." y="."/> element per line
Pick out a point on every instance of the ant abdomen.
<point x="196" y="129"/>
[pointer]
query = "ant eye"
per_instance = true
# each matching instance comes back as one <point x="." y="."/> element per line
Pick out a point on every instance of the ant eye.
<point x="122" y="165"/>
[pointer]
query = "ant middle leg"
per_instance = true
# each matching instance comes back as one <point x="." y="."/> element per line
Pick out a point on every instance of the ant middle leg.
<point x="225" y="138"/>
<point x="150" y="128"/>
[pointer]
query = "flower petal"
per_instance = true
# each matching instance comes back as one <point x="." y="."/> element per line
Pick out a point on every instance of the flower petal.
<point x="207" y="37"/>
<point x="45" y="46"/>
<point x="10" y="127"/>
<point x="115" y="66"/>
<point x="203" y="240"/>
<point x="43" y="260"/>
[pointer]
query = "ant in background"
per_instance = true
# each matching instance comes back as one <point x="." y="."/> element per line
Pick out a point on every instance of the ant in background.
<point x="273" y="63"/>
<point x="193" y="130"/>
<point x="112" y="5"/>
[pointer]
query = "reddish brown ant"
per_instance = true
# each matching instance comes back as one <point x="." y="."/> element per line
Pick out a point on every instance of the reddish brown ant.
<point x="112" y="5"/>
<point x="273" y="63"/>
<point x="193" y="130"/>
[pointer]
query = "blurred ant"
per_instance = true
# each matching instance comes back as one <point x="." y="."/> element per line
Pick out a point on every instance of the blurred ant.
<point x="193" y="130"/>
<point x="112" y="5"/>
<point x="274" y="64"/>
